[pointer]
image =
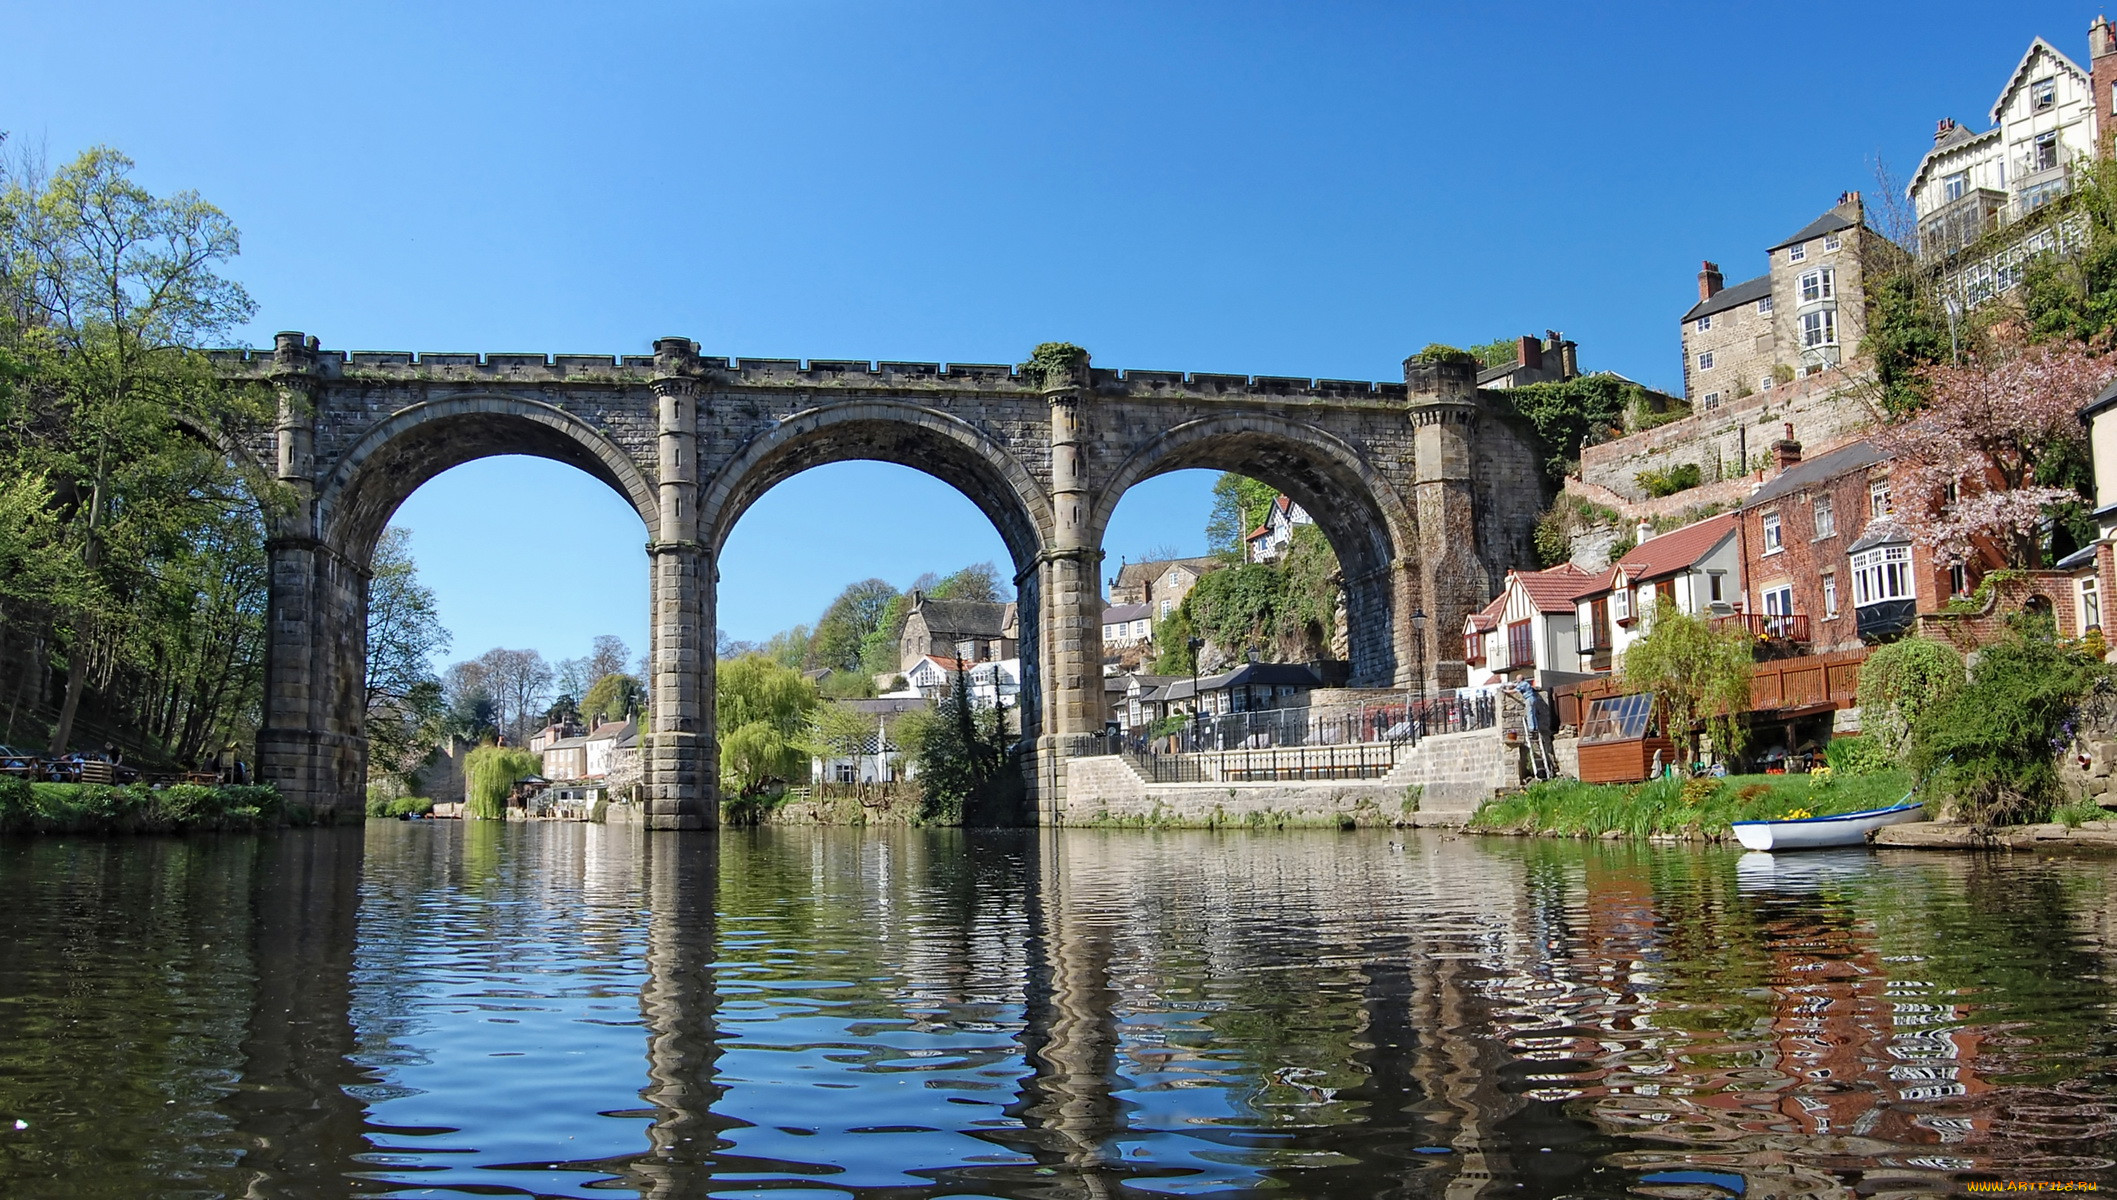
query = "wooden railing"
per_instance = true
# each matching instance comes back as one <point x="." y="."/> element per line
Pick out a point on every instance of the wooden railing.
<point x="1803" y="681"/>
<point x="1791" y="627"/>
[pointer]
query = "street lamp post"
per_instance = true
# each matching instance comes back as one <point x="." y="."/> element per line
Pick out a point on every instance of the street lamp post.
<point x="1195" y="644"/>
<point x="1418" y="672"/>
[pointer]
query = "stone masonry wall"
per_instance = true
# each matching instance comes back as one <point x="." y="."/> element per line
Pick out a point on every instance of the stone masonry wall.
<point x="1826" y="410"/>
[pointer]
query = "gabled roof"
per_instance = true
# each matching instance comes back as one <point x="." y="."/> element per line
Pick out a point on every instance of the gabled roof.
<point x="1117" y="613"/>
<point x="1747" y="291"/>
<point x="1955" y="140"/>
<point x="1140" y="573"/>
<point x="1809" y="472"/>
<point x="1551" y="591"/>
<point x="1829" y="222"/>
<point x="979" y="618"/>
<point x="2021" y="72"/>
<point x="1677" y="550"/>
<point x="2102" y="400"/>
<point x="1595" y="584"/>
<point x="941" y="664"/>
<point x="1487" y="619"/>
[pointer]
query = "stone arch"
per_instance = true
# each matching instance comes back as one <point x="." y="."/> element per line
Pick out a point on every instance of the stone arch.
<point x="910" y="435"/>
<point x="1366" y="518"/>
<point x="395" y="456"/>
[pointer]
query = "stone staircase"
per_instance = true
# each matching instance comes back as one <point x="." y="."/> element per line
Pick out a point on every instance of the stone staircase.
<point x="1456" y="772"/>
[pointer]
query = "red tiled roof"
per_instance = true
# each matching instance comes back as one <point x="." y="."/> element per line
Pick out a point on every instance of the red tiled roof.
<point x="1551" y="591"/>
<point x="1677" y="549"/>
<point x="1488" y="618"/>
<point x="1591" y="584"/>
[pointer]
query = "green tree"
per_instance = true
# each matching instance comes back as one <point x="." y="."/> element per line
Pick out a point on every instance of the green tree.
<point x="1907" y="332"/>
<point x="961" y="754"/>
<point x="490" y="773"/>
<point x="978" y="581"/>
<point x="1504" y="352"/>
<point x="762" y="707"/>
<point x="1992" y="745"/>
<point x="879" y="650"/>
<point x="845" y="627"/>
<point x="1698" y="676"/>
<point x="404" y="697"/>
<point x="2073" y="296"/>
<point x="613" y="696"/>
<point x="1239" y="505"/>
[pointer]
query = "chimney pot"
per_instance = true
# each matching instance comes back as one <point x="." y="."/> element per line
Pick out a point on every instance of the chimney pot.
<point x="1786" y="452"/>
<point x="1710" y="280"/>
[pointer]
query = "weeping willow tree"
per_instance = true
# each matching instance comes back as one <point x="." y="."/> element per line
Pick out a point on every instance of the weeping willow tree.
<point x="1698" y="675"/>
<point x="490" y="773"/>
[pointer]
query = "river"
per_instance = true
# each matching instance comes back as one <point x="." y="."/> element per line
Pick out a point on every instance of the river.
<point x="449" y="1009"/>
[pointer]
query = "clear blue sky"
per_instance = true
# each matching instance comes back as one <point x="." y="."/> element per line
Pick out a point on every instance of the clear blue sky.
<point x="1286" y="189"/>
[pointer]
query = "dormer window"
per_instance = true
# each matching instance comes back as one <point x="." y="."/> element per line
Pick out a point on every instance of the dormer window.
<point x="1621" y="601"/>
<point x="2043" y="94"/>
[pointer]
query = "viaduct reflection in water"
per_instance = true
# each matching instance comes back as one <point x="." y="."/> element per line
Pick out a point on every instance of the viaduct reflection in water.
<point x="575" y="1010"/>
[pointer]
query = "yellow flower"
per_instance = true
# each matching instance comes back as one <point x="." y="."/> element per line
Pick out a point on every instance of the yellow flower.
<point x="1798" y="814"/>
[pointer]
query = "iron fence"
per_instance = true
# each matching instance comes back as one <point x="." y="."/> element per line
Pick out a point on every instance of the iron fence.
<point x="1360" y="741"/>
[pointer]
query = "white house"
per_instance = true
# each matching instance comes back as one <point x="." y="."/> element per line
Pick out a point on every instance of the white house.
<point x="1527" y="632"/>
<point x="1127" y="625"/>
<point x="599" y="747"/>
<point x="1269" y="541"/>
<point x="1969" y="184"/>
<point x="1698" y="568"/>
<point x="879" y="759"/>
<point x="997" y="684"/>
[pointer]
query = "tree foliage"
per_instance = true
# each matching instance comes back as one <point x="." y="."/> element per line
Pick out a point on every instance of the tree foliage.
<point x="490" y="772"/>
<point x="961" y="754"/>
<point x="762" y="708"/>
<point x="2073" y="296"/>
<point x="1240" y="504"/>
<point x="1567" y="415"/>
<point x="405" y="709"/>
<point x="1968" y="468"/>
<point x="842" y="632"/>
<point x="131" y="547"/>
<point x="612" y="696"/>
<point x="1991" y="746"/>
<point x="1902" y="682"/>
<point x="1697" y="675"/>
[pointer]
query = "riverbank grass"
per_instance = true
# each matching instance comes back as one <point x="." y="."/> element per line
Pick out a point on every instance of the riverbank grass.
<point x="1684" y="807"/>
<point x="27" y="807"/>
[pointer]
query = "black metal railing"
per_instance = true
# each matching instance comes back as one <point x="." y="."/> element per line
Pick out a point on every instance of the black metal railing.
<point x="1340" y="742"/>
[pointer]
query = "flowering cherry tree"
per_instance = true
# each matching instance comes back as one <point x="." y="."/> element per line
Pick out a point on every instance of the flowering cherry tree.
<point x="1965" y="466"/>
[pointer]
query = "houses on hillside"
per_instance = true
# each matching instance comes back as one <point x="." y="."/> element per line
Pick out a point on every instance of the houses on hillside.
<point x="1272" y="537"/>
<point x="975" y="630"/>
<point x="1160" y="585"/>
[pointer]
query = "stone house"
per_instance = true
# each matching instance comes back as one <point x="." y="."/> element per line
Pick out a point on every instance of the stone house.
<point x="1698" y="568"/>
<point x="1805" y="315"/>
<point x="1126" y="625"/>
<point x="979" y="631"/>
<point x="566" y="758"/>
<point x="1551" y="360"/>
<point x="1529" y="629"/>
<point x="1160" y="585"/>
<point x="2049" y="117"/>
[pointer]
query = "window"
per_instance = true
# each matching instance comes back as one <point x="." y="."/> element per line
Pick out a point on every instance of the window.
<point x="1819" y="328"/>
<point x="1819" y="285"/>
<point x="1778" y="606"/>
<point x="1521" y="647"/>
<point x="1595" y="625"/>
<point x="1772" y="541"/>
<point x="1473" y="648"/>
<point x="1826" y="517"/>
<point x="1830" y="593"/>
<point x="2046" y="153"/>
<point x="1621" y="602"/>
<point x="1705" y="360"/>
<point x="2090" y="606"/>
<point x="846" y="773"/>
<point x="2043" y="94"/>
<point x="1878" y="504"/>
<point x="1712" y="399"/>
<point x="1166" y="605"/>
<point x="1764" y="306"/>
<point x="1765" y="383"/>
<point x="1958" y="579"/>
<point x="1713" y="579"/>
<point x="1830" y="241"/>
<point x="1954" y="186"/>
<point x="1617" y="718"/>
<point x="1881" y="575"/>
<point x="1794" y="254"/>
<point x="1705" y="322"/>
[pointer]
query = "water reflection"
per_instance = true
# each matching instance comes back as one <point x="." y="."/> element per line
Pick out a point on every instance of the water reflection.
<point x="576" y="1011"/>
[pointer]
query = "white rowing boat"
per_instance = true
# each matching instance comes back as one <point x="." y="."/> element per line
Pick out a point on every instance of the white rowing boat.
<point x="1814" y="833"/>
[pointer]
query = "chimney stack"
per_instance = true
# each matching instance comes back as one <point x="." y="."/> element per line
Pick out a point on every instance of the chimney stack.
<point x="1710" y="280"/>
<point x="2102" y="72"/>
<point x="1530" y="353"/>
<point x="1942" y="128"/>
<point x="1642" y="532"/>
<point x="1849" y="207"/>
<point x="1786" y="452"/>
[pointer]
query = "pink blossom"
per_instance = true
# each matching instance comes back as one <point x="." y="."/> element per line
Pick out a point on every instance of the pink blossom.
<point x="1989" y="424"/>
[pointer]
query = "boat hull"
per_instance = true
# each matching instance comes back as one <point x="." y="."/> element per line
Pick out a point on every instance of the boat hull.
<point x="1816" y="833"/>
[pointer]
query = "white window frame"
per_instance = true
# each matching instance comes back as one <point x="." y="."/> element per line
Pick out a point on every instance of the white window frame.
<point x="2036" y="149"/>
<point x="1879" y="503"/>
<point x="1779" y="600"/>
<point x="1830" y="593"/>
<point x="1766" y="383"/>
<point x="1798" y="252"/>
<point x="1621" y="598"/>
<point x="1819" y="329"/>
<point x="1882" y="575"/>
<point x="1705" y="360"/>
<point x="1703" y="323"/>
<point x="1764" y="306"/>
<point x="1825" y="517"/>
<point x="1830" y="241"/>
<point x="2090" y="607"/>
<point x="1819" y="285"/>
<point x="1774" y="534"/>
<point x="1955" y="187"/>
<point x="2043" y="93"/>
<point x="1712" y="400"/>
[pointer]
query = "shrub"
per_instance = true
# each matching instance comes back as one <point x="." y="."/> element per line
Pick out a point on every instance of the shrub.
<point x="18" y="801"/>
<point x="1681" y="477"/>
<point x="1903" y="681"/>
<point x="1992" y="745"/>
<point x="1857" y="755"/>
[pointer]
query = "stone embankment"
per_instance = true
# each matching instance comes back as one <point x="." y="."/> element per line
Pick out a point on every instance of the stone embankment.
<point x="2098" y="836"/>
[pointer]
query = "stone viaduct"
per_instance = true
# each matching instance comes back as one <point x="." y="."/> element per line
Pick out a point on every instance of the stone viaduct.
<point x="1425" y="490"/>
